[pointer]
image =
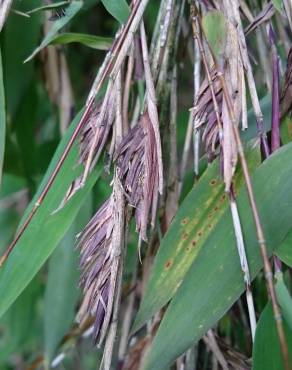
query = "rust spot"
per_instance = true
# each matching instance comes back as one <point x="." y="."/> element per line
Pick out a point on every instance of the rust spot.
<point x="200" y="233"/>
<point x="223" y="197"/>
<point x="216" y="209"/>
<point x="168" y="264"/>
<point x="213" y="182"/>
<point x="185" y="221"/>
<point x="185" y="236"/>
<point x="194" y="243"/>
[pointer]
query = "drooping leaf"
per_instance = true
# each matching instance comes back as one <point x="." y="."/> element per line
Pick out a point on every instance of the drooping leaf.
<point x="196" y="219"/>
<point x="56" y="5"/>
<point x="215" y="280"/>
<point x="2" y="118"/>
<point x="46" y="228"/>
<point x="215" y="29"/>
<point x="266" y="350"/>
<point x="71" y="11"/>
<point x="92" y="41"/>
<point x="284" y="299"/>
<point x="119" y="9"/>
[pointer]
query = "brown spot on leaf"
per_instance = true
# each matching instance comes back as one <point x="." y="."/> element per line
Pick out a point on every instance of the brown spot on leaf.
<point x="194" y="243"/>
<point x="185" y="236"/>
<point x="185" y="221"/>
<point x="210" y="226"/>
<point x="216" y="209"/>
<point x="213" y="182"/>
<point x="200" y="233"/>
<point x="223" y="198"/>
<point x="168" y="264"/>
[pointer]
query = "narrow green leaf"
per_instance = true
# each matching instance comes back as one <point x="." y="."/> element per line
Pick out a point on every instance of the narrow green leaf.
<point x="215" y="280"/>
<point x="62" y="285"/>
<point x="284" y="299"/>
<point x="2" y="118"/>
<point x="92" y="41"/>
<point x="266" y="350"/>
<point x="119" y="9"/>
<point x="215" y="29"/>
<point x="199" y="213"/>
<point x="71" y="11"/>
<point x="46" y="228"/>
<point x="56" y="5"/>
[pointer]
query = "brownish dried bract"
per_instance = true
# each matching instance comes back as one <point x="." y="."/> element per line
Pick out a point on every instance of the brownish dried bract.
<point x="286" y="96"/>
<point x="86" y="141"/>
<point x="205" y="116"/>
<point x="137" y="166"/>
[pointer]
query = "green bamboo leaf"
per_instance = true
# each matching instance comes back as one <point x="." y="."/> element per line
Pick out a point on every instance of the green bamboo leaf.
<point x="266" y="350"/>
<point x="92" y="41"/>
<point x="46" y="228"/>
<point x="215" y="29"/>
<point x="215" y="280"/>
<point x="56" y="5"/>
<point x="2" y="118"/>
<point x="62" y="285"/>
<point x="119" y="9"/>
<point x="71" y="11"/>
<point x="278" y="4"/>
<point x="284" y="252"/>
<point x="284" y="298"/>
<point x="197" y="217"/>
<point x="61" y="293"/>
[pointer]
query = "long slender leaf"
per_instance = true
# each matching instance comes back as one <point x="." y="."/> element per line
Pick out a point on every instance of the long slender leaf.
<point x="46" y="228"/>
<point x="266" y="351"/>
<point x="56" y="5"/>
<point x="215" y="280"/>
<point x="200" y="212"/>
<point x="71" y="11"/>
<point x="92" y="41"/>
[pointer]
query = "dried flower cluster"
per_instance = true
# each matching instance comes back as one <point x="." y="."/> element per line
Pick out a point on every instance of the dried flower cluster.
<point x="205" y="117"/>
<point x="138" y="171"/>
